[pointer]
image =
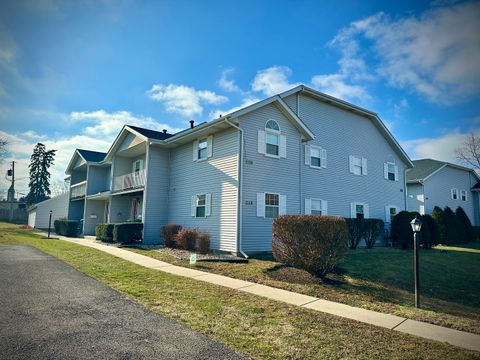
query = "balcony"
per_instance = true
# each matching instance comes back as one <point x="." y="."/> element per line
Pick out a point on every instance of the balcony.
<point x="78" y="190"/>
<point x="129" y="181"/>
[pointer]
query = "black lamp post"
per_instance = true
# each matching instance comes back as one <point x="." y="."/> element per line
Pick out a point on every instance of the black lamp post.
<point x="49" y="223"/>
<point x="416" y="227"/>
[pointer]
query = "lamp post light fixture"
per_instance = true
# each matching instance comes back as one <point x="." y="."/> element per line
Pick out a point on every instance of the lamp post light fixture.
<point x="416" y="227"/>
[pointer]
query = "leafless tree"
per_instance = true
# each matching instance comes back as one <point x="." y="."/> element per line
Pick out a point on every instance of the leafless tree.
<point x="469" y="152"/>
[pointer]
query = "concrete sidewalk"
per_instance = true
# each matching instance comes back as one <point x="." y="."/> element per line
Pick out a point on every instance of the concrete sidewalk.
<point x="454" y="337"/>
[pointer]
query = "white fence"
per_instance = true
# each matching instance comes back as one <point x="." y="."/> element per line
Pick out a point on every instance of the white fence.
<point x="78" y="190"/>
<point x="129" y="181"/>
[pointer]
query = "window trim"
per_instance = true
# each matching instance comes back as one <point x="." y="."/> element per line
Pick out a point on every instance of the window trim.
<point x="270" y="129"/>
<point x="388" y="163"/>
<point x="319" y="149"/>
<point x="462" y="193"/>
<point x="323" y="206"/>
<point x="277" y="134"/>
<point x="363" y="165"/>
<point x="388" y="219"/>
<point x="140" y="161"/>
<point x="366" y="209"/>
<point x="265" y="204"/>
<point x="454" y="192"/>
<point x="206" y="149"/>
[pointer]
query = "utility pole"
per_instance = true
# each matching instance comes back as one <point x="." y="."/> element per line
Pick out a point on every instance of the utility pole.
<point x="11" y="190"/>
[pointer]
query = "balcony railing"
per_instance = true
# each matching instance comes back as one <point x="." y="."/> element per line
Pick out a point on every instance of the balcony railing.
<point x="78" y="190"/>
<point x="129" y="181"/>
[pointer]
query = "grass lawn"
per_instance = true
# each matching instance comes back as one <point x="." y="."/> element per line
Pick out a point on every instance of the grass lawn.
<point x="258" y="327"/>
<point x="379" y="279"/>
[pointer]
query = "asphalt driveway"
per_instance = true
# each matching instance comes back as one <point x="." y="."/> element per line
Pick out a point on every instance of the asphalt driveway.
<point x="50" y="310"/>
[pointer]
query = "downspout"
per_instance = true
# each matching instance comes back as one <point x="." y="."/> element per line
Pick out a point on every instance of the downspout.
<point x="405" y="188"/>
<point x="240" y="188"/>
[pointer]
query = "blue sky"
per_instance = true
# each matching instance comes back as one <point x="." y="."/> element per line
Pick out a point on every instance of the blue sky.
<point x="73" y="72"/>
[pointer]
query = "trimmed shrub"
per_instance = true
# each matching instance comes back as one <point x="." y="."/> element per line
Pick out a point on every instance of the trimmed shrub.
<point x="186" y="239"/>
<point x="439" y="216"/>
<point x="168" y="232"/>
<point x="68" y="228"/>
<point x="372" y="229"/>
<point x="104" y="232"/>
<point x="356" y="231"/>
<point x="454" y="231"/>
<point x="126" y="233"/>
<point x="466" y="224"/>
<point x="203" y="242"/>
<point x="432" y="237"/>
<point x="476" y="233"/>
<point x="401" y="230"/>
<point x="310" y="242"/>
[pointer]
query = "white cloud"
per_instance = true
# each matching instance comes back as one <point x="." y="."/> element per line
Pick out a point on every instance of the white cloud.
<point x="436" y="54"/>
<point x="105" y="124"/>
<point x="272" y="80"/>
<point x="336" y="85"/>
<point x="98" y="133"/>
<point x="227" y="84"/>
<point x="184" y="100"/>
<point x="438" y="148"/>
<point x="214" y="114"/>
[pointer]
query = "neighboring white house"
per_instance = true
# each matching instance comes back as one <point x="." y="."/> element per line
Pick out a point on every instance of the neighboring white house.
<point x="298" y="152"/>
<point x="39" y="214"/>
<point x="437" y="183"/>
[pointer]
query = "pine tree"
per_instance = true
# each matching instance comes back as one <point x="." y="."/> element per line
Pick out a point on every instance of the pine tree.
<point x="39" y="184"/>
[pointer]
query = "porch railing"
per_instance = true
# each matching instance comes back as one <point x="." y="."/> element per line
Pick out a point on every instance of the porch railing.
<point x="78" y="190"/>
<point x="129" y="181"/>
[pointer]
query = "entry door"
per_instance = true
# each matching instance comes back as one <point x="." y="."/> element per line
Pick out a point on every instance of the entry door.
<point x="136" y="209"/>
<point x="107" y="209"/>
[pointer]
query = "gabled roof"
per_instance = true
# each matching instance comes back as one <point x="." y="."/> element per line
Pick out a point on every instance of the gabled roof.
<point x="88" y="156"/>
<point x="146" y="134"/>
<point x="476" y="187"/>
<point x="355" y="109"/>
<point x="424" y="168"/>
<point x="151" y="134"/>
<point x="224" y="122"/>
<point x="91" y="156"/>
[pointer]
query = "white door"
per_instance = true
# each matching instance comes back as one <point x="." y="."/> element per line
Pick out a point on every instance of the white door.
<point x="31" y="218"/>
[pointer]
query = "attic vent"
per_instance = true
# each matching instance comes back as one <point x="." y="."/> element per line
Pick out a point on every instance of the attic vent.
<point x="191" y="123"/>
<point x="164" y="131"/>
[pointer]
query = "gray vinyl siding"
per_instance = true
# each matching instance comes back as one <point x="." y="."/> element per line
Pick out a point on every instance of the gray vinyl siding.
<point x="438" y="186"/>
<point x="76" y="209"/>
<point x="291" y="101"/>
<point x="155" y="201"/>
<point x="78" y="175"/>
<point x="98" y="179"/>
<point x="415" y="198"/>
<point x="94" y="214"/>
<point x="58" y="205"/>
<point x="124" y="165"/>
<point x="265" y="174"/>
<point x="217" y="176"/>
<point x="343" y="134"/>
<point x="120" y="208"/>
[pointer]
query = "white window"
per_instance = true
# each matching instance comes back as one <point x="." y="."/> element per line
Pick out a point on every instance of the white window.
<point x="315" y="156"/>
<point x="315" y="207"/>
<point x="454" y="194"/>
<point x="201" y="205"/>
<point x="390" y="171"/>
<point x="271" y="205"/>
<point x="358" y="165"/>
<point x="390" y="212"/>
<point x="202" y="148"/>
<point x="271" y="142"/>
<point x="463" y="195"/>
<point x="137" y="166"/>
<point x="359" y="210"/>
